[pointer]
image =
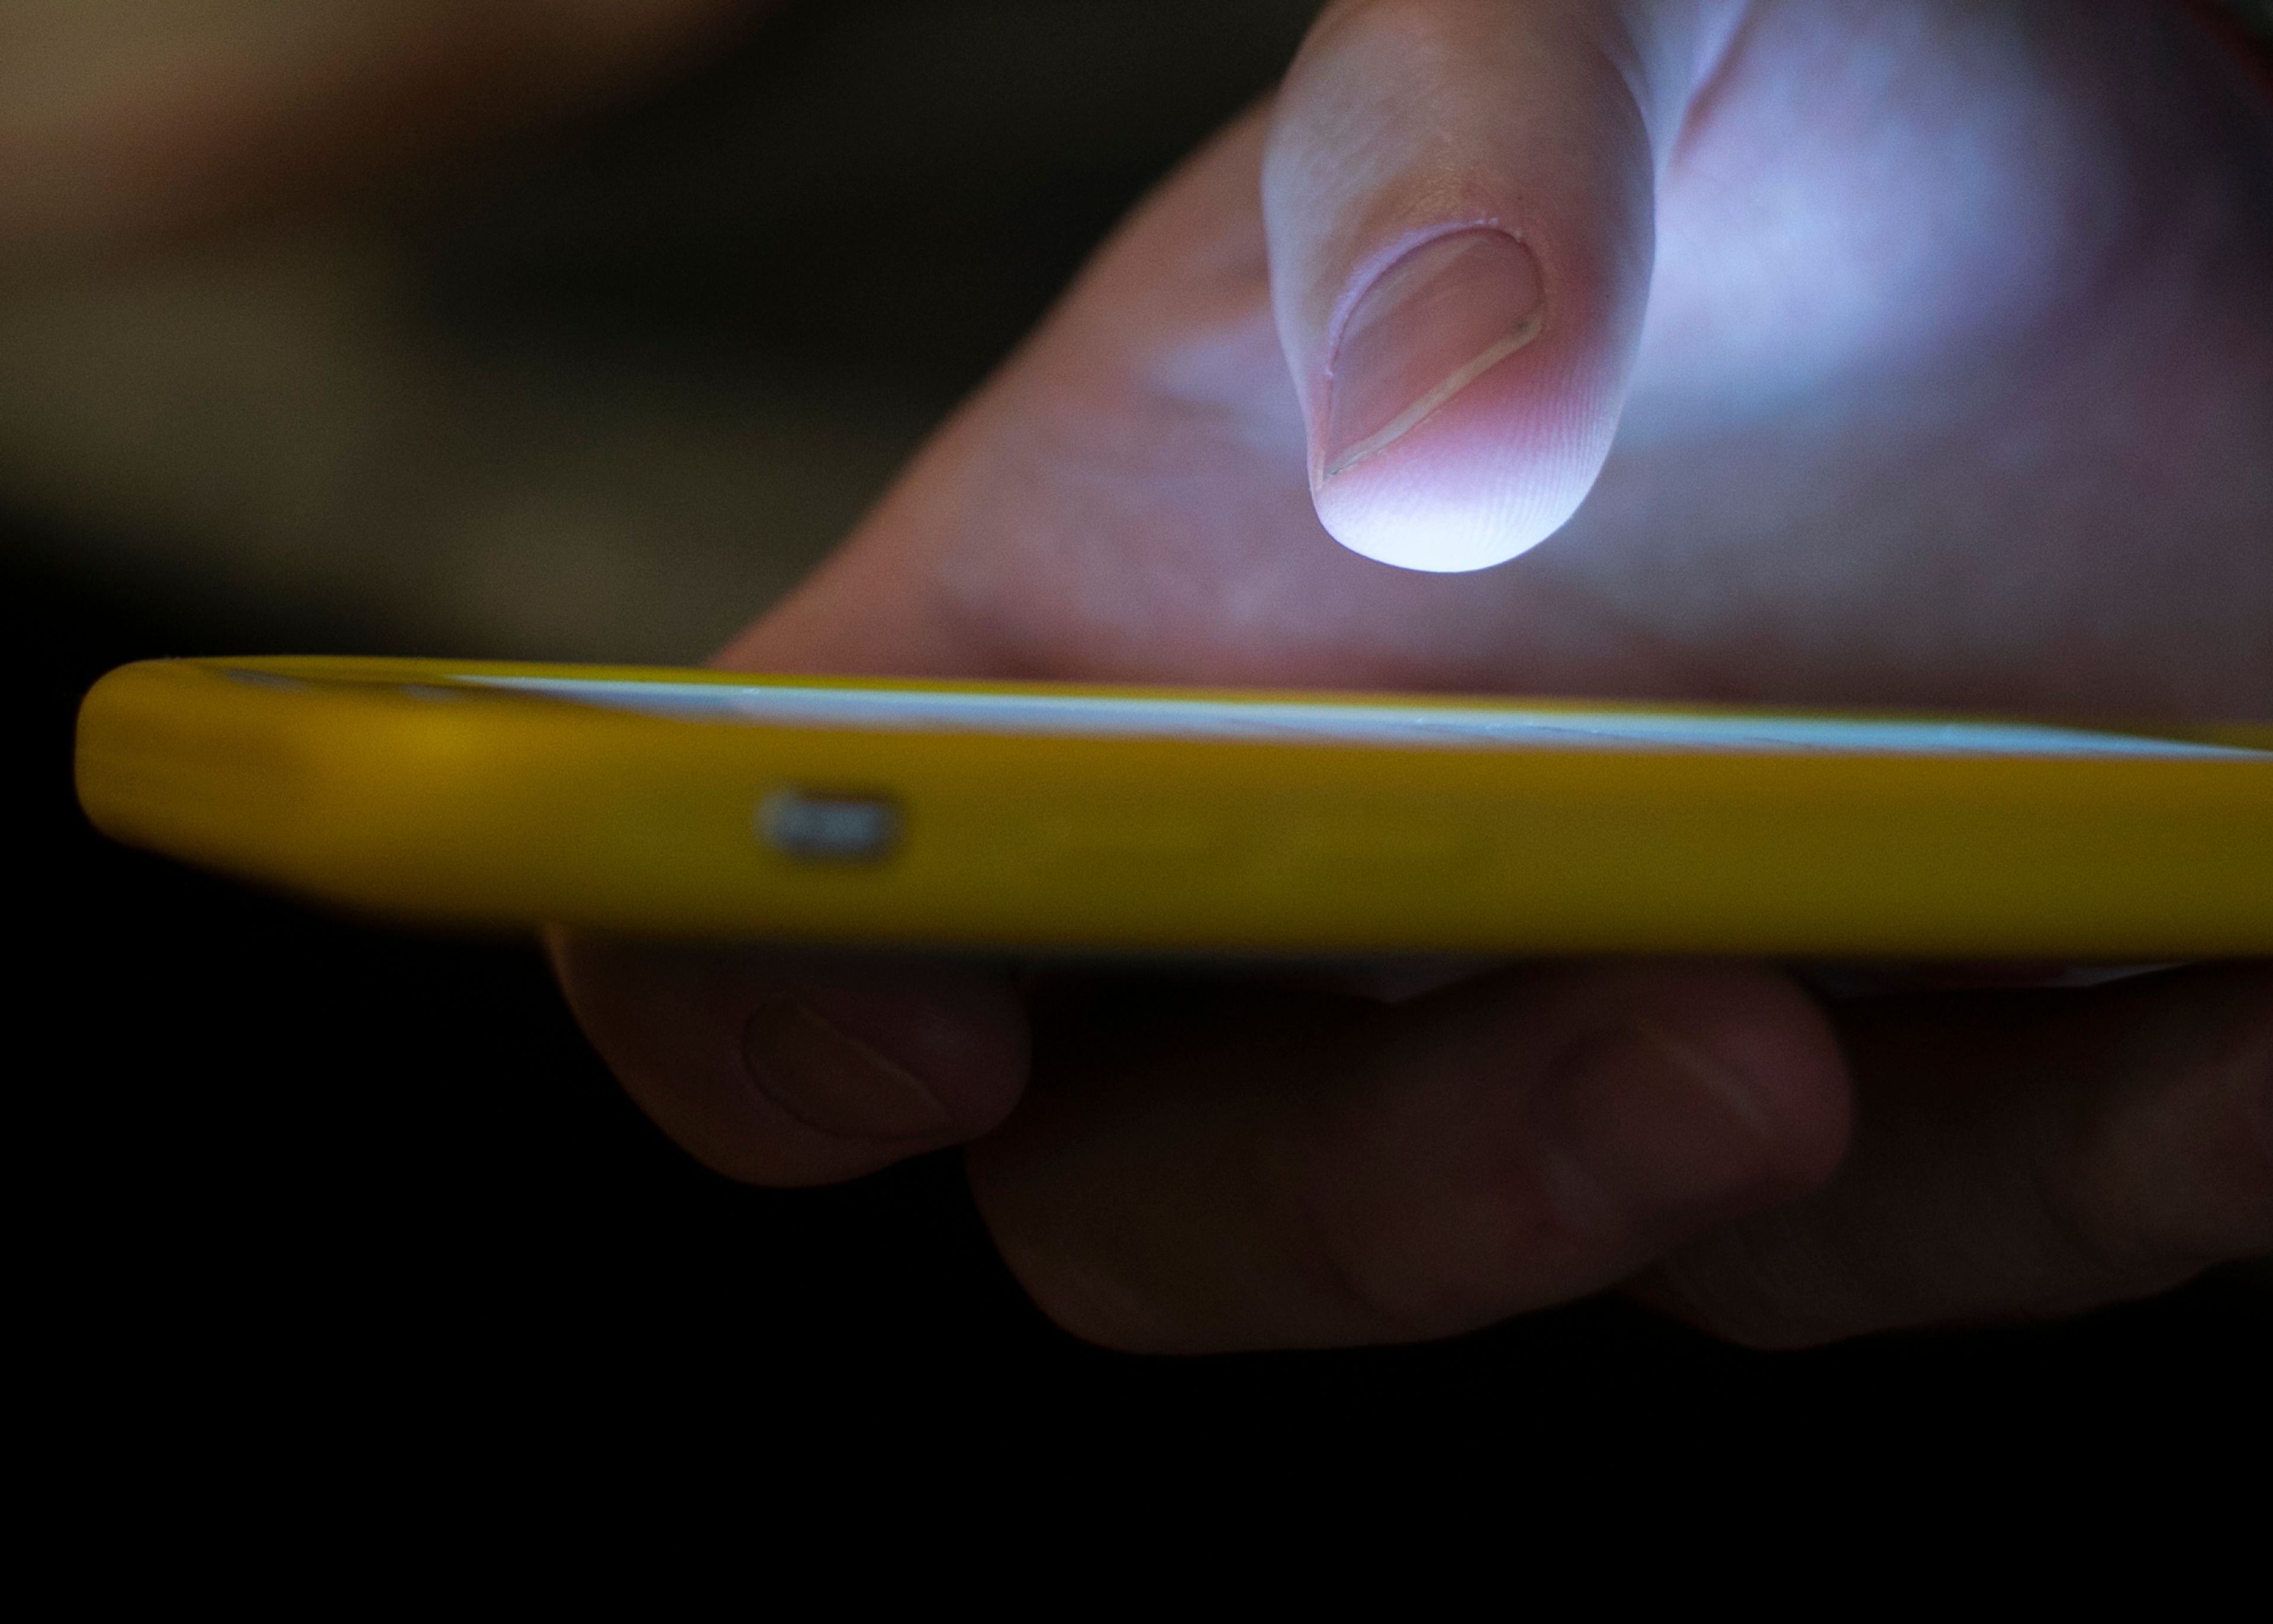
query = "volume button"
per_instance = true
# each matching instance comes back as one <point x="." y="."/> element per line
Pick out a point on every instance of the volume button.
<point x="814" y="827"/>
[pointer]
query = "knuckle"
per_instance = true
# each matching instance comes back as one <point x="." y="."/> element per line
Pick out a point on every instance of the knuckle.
<point x="1409" y="1287"/>
<point x="1741" y="1288"/>
<point x="2174" y="1172"/>
<point x="665" y="1025"/>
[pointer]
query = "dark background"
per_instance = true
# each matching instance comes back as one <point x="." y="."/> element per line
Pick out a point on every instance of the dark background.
<point x="290" y="1175"/>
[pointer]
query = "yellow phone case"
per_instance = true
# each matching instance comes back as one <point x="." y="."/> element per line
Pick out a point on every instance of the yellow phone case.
<point x="1036" y="816"/>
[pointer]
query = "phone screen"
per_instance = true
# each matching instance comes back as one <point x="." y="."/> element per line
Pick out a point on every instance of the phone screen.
<point x="1402" y="723"/>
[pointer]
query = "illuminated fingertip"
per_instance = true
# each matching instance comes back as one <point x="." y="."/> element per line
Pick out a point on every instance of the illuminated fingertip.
<point x="1406" y="523"/>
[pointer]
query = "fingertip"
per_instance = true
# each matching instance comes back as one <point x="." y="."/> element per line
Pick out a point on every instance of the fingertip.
<point x="1460" y="202"/>
<point x="1327" y="1174"/>
<point x="961" y="1030"/>
<point x="2022" y="1154"/>
<point x="1662" y="1097"/>
<point x="788" y="1071"/>
<point x="1464" y="414"/>
<point x="1781" y="1057"/>
<point x="1671" y="1096"/>
<point x="1472" y="491"/>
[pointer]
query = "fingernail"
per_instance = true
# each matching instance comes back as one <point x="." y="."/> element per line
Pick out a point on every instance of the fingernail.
<point x="1653" y="1126"/>
<point x="1436" y="321"/>
<point x="831" y="1080"/>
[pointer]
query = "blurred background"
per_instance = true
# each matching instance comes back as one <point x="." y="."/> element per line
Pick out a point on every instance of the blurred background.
<point x="598" y="378"/>
<point x="606" y="390"/>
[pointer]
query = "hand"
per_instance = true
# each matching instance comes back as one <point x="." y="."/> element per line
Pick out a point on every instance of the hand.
<point x="1908" y="354"/>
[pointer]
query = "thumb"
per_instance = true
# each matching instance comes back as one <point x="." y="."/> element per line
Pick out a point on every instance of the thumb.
<point x="1459" y="197"/>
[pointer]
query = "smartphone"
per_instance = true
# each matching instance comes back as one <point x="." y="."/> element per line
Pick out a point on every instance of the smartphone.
<point x="1039" y="817"/>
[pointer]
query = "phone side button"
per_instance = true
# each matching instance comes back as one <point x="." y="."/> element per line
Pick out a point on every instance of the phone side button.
<point x="812" y="826"/>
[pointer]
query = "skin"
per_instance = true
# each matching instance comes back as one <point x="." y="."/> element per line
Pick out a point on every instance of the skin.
<point x="1960" y="400"/>
<point x="1906" y="354"/>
